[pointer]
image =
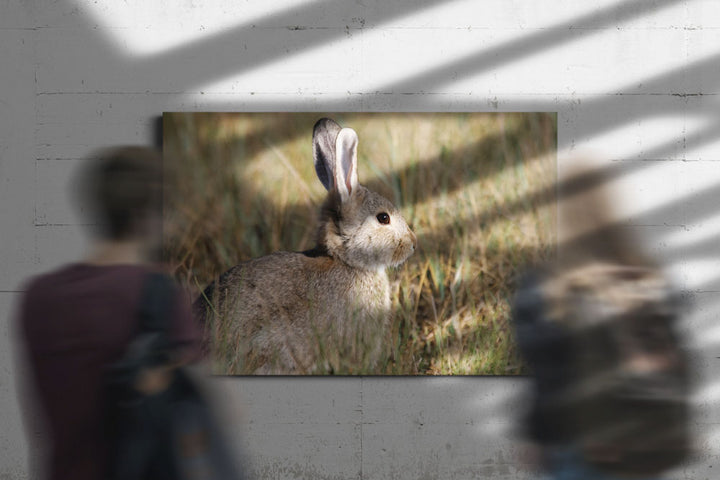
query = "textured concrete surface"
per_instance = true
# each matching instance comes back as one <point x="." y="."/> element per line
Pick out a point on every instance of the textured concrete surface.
<point x="635" y="82"/>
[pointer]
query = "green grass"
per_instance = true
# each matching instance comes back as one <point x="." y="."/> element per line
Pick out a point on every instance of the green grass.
<point x="476" y="188"/>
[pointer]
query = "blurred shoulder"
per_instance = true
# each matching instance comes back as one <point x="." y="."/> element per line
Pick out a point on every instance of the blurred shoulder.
<point x="79" y="278"/>
<point x="528" y="290"/>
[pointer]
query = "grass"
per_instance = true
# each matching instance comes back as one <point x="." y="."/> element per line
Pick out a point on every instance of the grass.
<point x="478" y="190"/>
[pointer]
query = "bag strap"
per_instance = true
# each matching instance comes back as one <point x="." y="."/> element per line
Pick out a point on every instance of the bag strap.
<point x="154" y="309"/>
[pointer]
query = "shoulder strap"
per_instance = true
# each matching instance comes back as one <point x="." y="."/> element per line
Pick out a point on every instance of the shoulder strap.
<point x="155" y="303"/>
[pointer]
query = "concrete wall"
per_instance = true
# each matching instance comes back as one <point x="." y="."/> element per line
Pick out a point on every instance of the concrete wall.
<point x="635" y="82"/>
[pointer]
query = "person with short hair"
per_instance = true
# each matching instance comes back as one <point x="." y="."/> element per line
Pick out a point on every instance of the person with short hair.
<point x="78" y="319"/>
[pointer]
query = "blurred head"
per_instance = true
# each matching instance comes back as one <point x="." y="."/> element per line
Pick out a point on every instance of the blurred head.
<point x="123" y="189"/>
<point x="611" y="375"/>
<point x="590" y="228"/>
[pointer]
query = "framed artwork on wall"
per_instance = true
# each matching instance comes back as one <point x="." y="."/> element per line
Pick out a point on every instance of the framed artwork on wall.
<point x="358" y="243"/>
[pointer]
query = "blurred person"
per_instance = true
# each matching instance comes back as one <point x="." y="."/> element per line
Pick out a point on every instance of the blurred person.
<point x="596" y="328"/>
<point x="77" y="320"/>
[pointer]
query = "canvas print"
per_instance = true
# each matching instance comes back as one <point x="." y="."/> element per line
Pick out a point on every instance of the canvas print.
<point x="358" y="243"/>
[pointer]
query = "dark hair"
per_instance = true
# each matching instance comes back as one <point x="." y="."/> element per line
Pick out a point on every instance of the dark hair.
<point x="122" y="187"/>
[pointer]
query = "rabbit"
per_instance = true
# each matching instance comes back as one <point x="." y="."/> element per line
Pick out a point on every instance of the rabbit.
<point x="308" y="312"/>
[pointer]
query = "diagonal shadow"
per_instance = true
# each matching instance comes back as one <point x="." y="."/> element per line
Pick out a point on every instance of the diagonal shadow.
<point x="254" y="44"/>
<point x="546" y="39"/>
<point x="251" y="45"/>
<point x="220" y="55"/>
<point x="707" y="249"/>
<point x="608" y="111"/>
<point x="214" y="49"/>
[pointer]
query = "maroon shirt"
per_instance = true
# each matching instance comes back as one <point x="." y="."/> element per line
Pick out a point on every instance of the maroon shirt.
<point x="74" y="322"/>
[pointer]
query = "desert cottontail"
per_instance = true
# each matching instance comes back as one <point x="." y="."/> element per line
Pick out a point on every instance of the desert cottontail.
<point x="324" y="310"/>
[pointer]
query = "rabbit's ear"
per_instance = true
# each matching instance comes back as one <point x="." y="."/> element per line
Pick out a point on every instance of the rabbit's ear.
<point x="346" y="163"/>
<point x="325" y="133"/>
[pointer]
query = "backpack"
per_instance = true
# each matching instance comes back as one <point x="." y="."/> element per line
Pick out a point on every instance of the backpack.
<point x="171" y="435"/>
<point x="624" y="402"/>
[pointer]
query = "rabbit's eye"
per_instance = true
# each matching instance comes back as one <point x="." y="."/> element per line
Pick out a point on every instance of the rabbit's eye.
<point x="383" y="218"/>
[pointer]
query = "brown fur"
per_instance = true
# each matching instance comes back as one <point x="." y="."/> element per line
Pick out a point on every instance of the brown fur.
<point x="315" y="311"/>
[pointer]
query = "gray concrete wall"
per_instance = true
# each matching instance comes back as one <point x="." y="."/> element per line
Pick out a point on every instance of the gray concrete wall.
<point x="634" y="82"/>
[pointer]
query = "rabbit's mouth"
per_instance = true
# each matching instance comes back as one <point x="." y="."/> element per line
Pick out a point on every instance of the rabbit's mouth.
<point x="405" y="248"/>
<point x="402" y="253"/>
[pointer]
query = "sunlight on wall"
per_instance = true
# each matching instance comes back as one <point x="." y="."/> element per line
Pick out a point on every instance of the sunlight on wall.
<point x="689" y="237"/>
<point x="145" y="28"/>
<point x="708" y="393"/>
<point x="709" y="338"/>
<point x="640" y="135"/>
<point x="573" y="45"/>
